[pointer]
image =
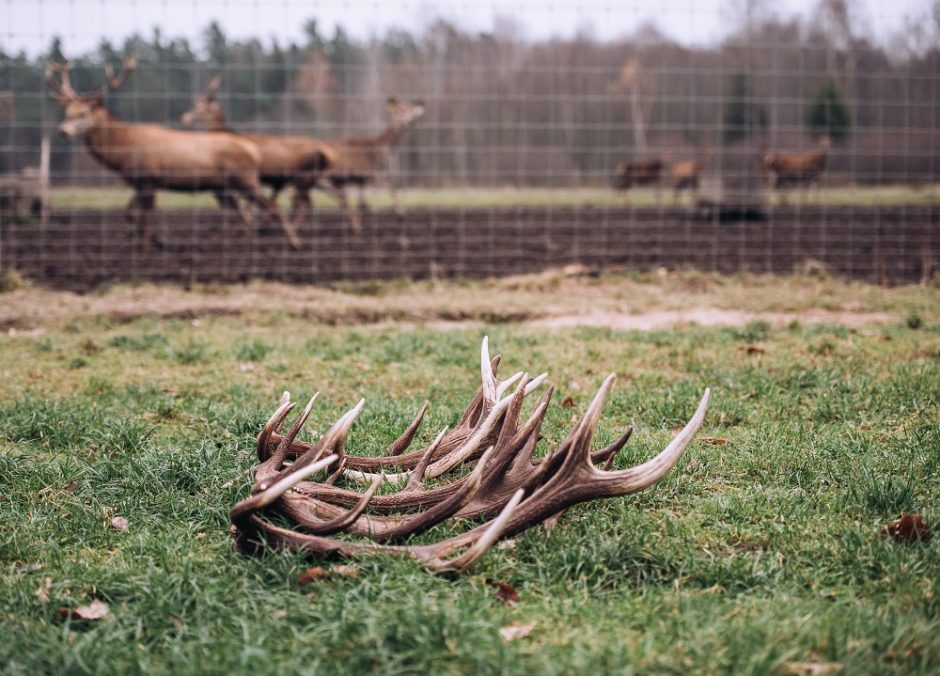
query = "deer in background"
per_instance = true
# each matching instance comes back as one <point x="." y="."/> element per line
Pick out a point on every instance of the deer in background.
<point x="298" y="161"/>
<point x="642" y="172"/>
<point x="365" y="160"/>
<point x="794" y="169"/>
<point x="149" y="157"/>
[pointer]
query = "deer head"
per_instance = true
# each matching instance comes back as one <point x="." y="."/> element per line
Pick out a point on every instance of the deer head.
<point x="403" y="114"/>
<point x="83" y="111"/>
<point x="206" y="108"/>
<point x="506" y="483"/>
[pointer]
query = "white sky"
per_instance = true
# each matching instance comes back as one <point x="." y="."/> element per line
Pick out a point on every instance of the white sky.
<point x="31" y="24"/>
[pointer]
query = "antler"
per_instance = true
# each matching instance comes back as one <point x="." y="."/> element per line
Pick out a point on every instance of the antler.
<point x="506" y="483"/>
<point x="213" y="88"/>
<point x="62" y="91"/>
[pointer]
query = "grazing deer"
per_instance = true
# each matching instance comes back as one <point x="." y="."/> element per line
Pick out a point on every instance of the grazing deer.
<point x="643" y="172"/>
<point x="784" y="169"/>
<point x="365" y="160"/>
<point x="685" y="177"/>
<point x="149" y="157"/>
<point x="298" y="161"/>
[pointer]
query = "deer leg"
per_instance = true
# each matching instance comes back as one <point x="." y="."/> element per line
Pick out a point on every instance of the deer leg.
<point x="352" y="214"/>
<point x="146" y="201"/>
<point x="393" y="191"/>
<point x="228" y="201"/>
<point x="301" y="206"/>
<point x="274" y="214"/>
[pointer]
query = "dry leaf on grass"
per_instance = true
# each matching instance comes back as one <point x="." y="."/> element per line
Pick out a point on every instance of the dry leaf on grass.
<point x="119" y="523"/>
<point x="505" y="592"/>
<point x="28" y="568"/>
<point x="516" y="630"/>
<point x="716" y="441"/>
<point x="318" y="573"/>
<point x="908" y="528"/>
<point x="93" y="611"/>
<point x="71" y="487"/>
<point x="753" y="349"/>
<point x="567" y="402"/>
<point x="42" y="593"/>
<point x="810" y="668"/>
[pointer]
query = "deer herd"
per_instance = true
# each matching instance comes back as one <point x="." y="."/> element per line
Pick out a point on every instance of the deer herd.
<point x="235" y="165"/>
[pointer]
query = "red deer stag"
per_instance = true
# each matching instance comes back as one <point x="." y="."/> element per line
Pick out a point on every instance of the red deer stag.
<point x="643" y="172"/>
<point x="783" y="169"/>
<point x="298" y="161"/>
<point x="363" y="161"/>
<point x="149" y="157"/>
<point x="507" y="484"/>
<point x="685" y="176"/>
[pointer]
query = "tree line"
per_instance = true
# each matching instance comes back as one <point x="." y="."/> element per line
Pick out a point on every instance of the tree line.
<point x="504" y="110"/>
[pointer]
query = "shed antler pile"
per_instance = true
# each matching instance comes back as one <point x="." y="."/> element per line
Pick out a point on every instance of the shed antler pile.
<point x="506" y="485"/>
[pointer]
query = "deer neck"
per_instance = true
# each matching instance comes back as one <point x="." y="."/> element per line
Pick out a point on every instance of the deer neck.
<point x="106" y="141"/>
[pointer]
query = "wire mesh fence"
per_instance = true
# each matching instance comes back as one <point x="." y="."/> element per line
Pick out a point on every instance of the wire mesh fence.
<point x="225" y="141"/>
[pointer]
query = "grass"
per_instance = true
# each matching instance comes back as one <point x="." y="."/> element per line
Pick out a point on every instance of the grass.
<point x="481" y="198"/>
<point x="749" y="556"/>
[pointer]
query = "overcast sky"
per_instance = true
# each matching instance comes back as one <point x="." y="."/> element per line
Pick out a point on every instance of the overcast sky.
<point x="31" y="24"/>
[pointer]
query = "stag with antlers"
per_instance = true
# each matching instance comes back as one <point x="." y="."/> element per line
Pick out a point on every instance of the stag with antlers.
<point x="506" y="483"/>
<point x="297" y="161"/>
<point x="149" y="157"/>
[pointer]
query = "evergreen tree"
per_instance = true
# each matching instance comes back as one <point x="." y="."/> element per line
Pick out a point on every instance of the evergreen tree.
<point x="828" y="114"/>
<point x="743" y="116"/>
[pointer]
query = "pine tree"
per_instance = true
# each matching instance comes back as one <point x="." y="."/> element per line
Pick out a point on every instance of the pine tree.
<point x="828" y="114"/>
<point x="743" y="115"/>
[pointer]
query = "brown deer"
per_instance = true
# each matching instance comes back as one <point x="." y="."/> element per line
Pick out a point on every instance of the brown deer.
<point x="783" y="169"/>
<point x="149" y="157"/>
<point x="365" y="160"/>
<point x="642" y="172"/>
<point x="685" y="176"/>
<point x="298" y="161"/>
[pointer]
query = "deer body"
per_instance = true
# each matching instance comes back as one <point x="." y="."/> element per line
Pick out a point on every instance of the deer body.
<point x="149" y="157"/>
<point x="796" y="168"/>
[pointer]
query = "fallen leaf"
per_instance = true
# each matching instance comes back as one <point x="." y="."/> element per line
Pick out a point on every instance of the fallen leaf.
<point x="810" y="668"/>
<point x="505" y="592"/>
<point x="246" y="366"/>
<point x="311" y="575"/>
<point x="715" y="441"/>
<point x="71" y="487"/>
<point x="93" y="611"/>
<point x="753" y="349"/>
<point x="693" y="463"/>
<point x="278" y="614"/>
<point x="149" y="415"/>
<point x="908" y="528"/>
<point x="119" y="523"/>
<point x="28" y="568"/>
<point x="516" y="630"/>
<point x="567" y="402"/>
<point x="345" y="571"/>
<point x="506" y="544"/>
<point x="42" y="593"/>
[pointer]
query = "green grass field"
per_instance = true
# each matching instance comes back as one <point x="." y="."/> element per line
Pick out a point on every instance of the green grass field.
<point x="482" y="198"/>
<point x="761" y="550"/>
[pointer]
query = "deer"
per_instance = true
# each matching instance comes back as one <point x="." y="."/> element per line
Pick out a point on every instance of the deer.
<point x="151" y="157"/>
<point x="365" y="160"/>
<point x="505" y="484"/>
<point x="641" y="172"/>
<point x="684" y="175"/>
<point x="784" y="169"/>
<point x="298" y="161"/>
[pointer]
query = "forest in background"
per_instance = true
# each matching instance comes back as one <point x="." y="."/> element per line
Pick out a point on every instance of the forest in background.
<point x="504" y="110"/>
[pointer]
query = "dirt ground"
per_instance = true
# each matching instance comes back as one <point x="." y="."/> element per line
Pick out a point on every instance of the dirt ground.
<point x="557" y="298"/>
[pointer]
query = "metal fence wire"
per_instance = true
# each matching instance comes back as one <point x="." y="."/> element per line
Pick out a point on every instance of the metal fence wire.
<point x="312" y="142"/>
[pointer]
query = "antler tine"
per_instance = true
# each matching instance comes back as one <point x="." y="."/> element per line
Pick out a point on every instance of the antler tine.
<point x="244" y="509"/>
<point x="490" y="384"/>
<point x="213" y="86"/>
<point x="273" y="424"/>
<point x="417" y="475"/>
<point x="641" y="476"/>
<point x="128" y="64"/>
<point x="399" y="446"/>
<point x="62" y="91"/>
